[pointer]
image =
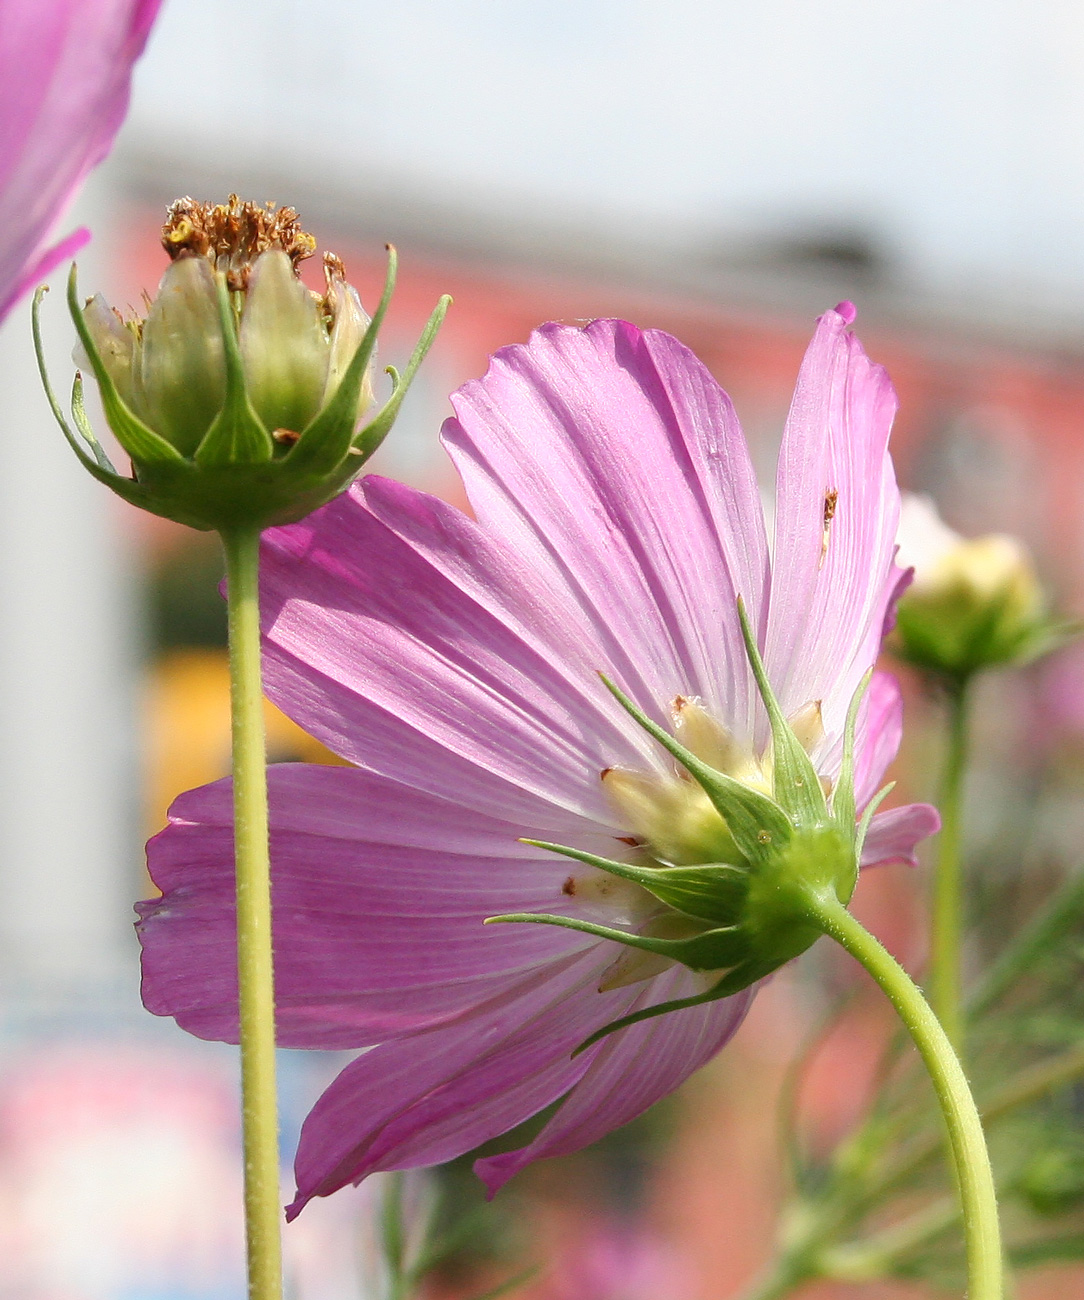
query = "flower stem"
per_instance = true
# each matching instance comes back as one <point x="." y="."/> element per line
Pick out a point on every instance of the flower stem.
<point x="255" y="975"/>
<point x="945" y="941"/>
<point x="973" y="1174"/>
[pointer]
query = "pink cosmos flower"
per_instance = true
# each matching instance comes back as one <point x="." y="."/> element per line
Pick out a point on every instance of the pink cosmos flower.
<point x="454" y="662"/>
<point x="65" y="68"/>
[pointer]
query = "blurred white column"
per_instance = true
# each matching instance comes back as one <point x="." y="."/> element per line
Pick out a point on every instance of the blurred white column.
<point x="68" y="801"/>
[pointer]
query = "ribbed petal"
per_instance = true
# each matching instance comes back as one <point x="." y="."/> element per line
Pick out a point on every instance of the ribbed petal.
<point x="610" y="460"/>
<point x="379" y="897"/>
<point x="831" y="585"/>
<point x="894" y="835"/>
<point x="632" y="1070"/>
<point x="430" y="1098"/>
<point x="434" y="655"/>
<point x="65" y="67"/>
<point x="879" y="733"/>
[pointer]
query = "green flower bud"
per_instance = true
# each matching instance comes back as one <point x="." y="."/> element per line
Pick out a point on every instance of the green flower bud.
<point x="241" y="397"/>
<point x="974" y="603"/>
<point x="1051" y="1181"/>
<point x="733" y="852"/>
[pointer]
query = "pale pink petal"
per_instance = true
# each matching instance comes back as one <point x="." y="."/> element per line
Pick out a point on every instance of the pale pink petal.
<point x="436" y="658"/>
<point x="830" y="598"/>
<point x="610" y="460"/>
<point x="632" y="1070"/>
<point x="878" y="736"/>
<point x="441" y="1092"/>
<point x="65" y="67"/>
<point x="894" y="835"/>
<point x="379" y="893"/>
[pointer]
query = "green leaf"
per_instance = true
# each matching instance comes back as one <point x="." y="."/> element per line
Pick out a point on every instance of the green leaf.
<point x="237" y="435"/>
<point x="713" y="892"/>
<point x="79" y="415"/>
<point x="741" y="977"/>
<point x="374" y="433"/>
<point x="145" y="447"/>
<point x="796" y="784"/>
<point x="758" y="825"/>
<point x="843" y="805"/>
<point x="867" y="817"/>
<point x="712" y="950"/>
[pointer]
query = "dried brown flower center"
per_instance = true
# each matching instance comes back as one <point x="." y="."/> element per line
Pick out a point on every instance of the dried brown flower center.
<point x="233" y="234"/>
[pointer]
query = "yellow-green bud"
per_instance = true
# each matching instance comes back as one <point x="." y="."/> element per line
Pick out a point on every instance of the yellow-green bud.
<point x="239" y="396"/>
<point x="974" y="603"/>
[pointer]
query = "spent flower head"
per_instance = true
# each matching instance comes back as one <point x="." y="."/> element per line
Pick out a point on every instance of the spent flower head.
<point x="974" y="603"/>
<point x="240" y="396"/>
<point x="605" y="705"/>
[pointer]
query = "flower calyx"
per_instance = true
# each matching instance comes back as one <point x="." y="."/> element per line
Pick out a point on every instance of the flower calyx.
<point x="240" y="397"/>
<point x="737" y="921"/>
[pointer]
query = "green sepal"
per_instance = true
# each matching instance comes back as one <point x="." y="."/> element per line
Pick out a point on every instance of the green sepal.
<point x="99" y="464"/>
<point x="796" y="784"/>
<point x="741" y="977"/>
<point x="237" y="436"/>
<point x="145" y="447"/>
<point x="712" y="950"/>
<point x="867" y="817"/>
<point x="79" y="415"/>
<point x="757" y="824"/>
<point x="329" y="436"/>
<point x="843" y="805"/>
<point x="714" y="892"/>
<point x="374" y="433"/>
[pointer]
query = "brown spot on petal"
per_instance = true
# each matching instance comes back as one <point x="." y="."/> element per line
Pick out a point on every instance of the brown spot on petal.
<point x="569" y="887"/>
<point x="831" y="497"/>
<point x="287" y="437"/>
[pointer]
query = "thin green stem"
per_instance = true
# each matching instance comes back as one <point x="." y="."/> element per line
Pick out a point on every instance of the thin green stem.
<point x="947" y="920"/>
<point x="973" y="1174"/>
<point x="255" y="974"/>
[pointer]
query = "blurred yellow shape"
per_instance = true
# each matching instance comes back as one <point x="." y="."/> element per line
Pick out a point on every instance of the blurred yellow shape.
<point x="188" y="729"/>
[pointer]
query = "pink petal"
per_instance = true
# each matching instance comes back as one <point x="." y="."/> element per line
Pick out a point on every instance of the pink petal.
<point x="893" y="835"/>
<point x="65" y="67"/>
<point x="430" y="1098"/>
<point x="437" y="658"/>
<point x="632" y="1070"/>
<point x="829" y="604"/>
<point x="379" y="898"/>
<point x="610" y="460"/>
<point x="878" y="736"/>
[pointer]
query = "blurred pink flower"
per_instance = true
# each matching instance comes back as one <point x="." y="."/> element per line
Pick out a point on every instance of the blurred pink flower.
<point x="616" y="1262"/>
<point x="65" y="69"/>
<point x="455" y="661"/>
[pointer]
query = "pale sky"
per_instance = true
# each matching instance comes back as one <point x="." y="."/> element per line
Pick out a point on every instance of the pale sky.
<point x="953" y="133"/>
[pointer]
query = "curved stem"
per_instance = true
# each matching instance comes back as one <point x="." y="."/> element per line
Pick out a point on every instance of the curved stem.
<point x="973" y="1174"/>
<point x="255" y="976"/>
<point x="945" y="940"/>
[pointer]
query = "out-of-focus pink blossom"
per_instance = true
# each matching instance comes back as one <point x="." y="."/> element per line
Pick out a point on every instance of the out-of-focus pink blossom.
<point x="456" y="661"/>
<point x="65" y="73"/>
<point x="616" y="1262"/>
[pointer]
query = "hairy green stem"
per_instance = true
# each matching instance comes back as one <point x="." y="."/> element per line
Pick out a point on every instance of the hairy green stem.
<point x="973" y="1174"/>
<point x="947" y="911"/>
<point x="255" y="974"/>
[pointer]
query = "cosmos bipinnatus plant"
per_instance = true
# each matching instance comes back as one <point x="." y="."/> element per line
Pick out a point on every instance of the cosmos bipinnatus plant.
<point x="611" y="759"/>
<point x="242" y="399"/>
